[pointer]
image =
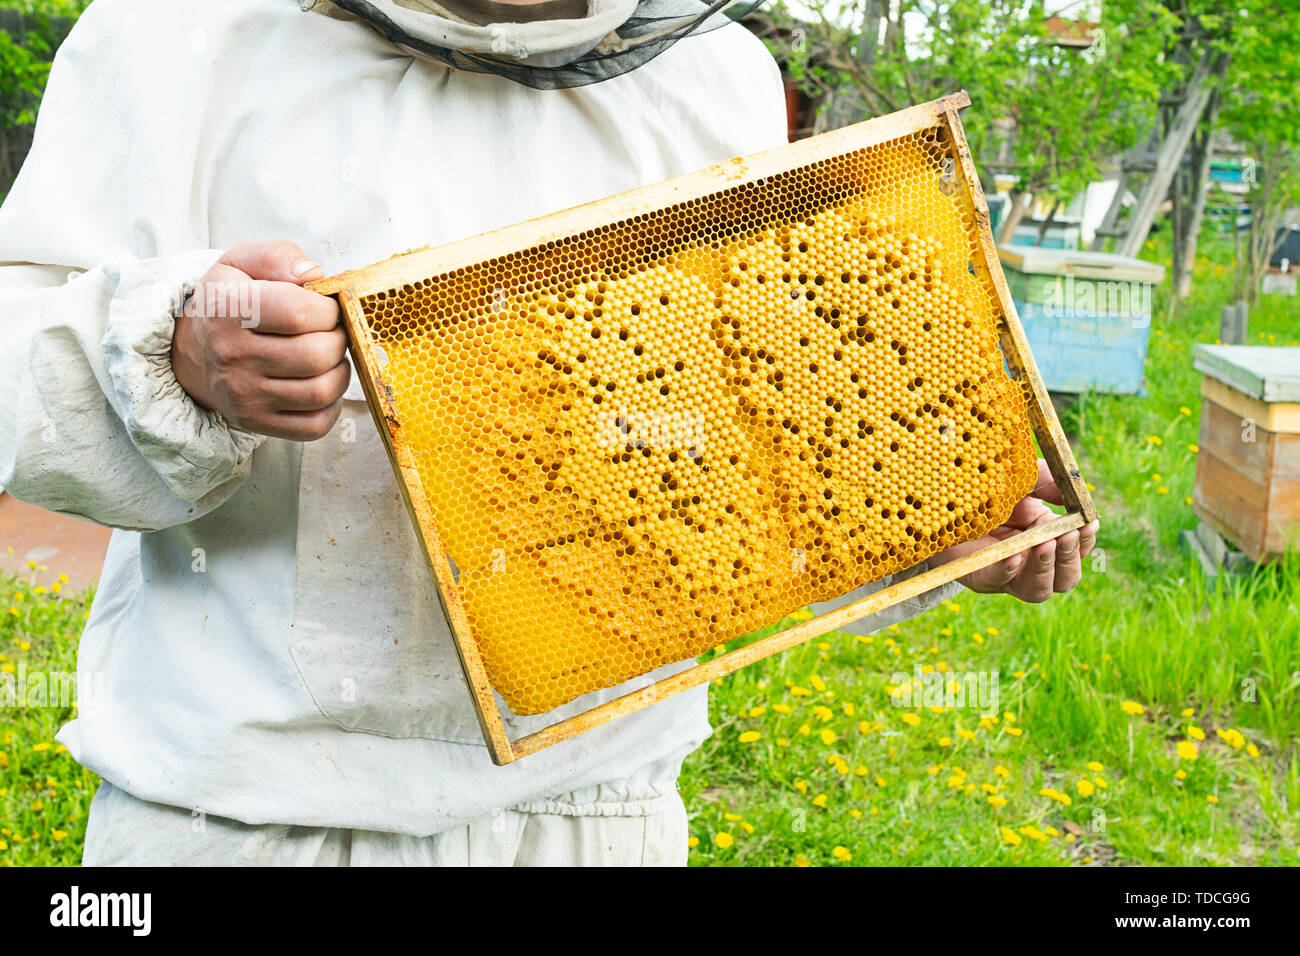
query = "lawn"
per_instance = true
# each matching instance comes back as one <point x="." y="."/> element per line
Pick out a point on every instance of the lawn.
<point x="1151" y="717"/>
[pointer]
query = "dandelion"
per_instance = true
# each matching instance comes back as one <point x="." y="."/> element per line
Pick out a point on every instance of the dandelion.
<point x="42" y="747"/>
<point x="1085" y="787"/>
<point x="828" y="736"/>
<point x="723" y="840"/>
<point x="1010" y="836"/>
<point x="782" y="708"/>
<point x="59" y="835"/>
<point x="749" y="736"/>
<point x="804" y="730"/>
<point x="818" y="683"/>
<point x="802" y="861"/>
<point x="1155" y="440"/>
<point x="1184" y="410"/>
<point x="820" y="800"/>
<point x="1015" y="731"/>
<point x="945" y="741"/>
<point x="842" y="854"/>
<point x="801" y="786"/>
<point x="997" y="801"/>
<point x="1034" y="833"/>
<point x="1001" y="771"/>
<point x="1180" y="775"/>
<point x="1232" y="738"/>
<point x="1095" y="767"/>
<point x="693" y="842"/>
<point x="966" y="734"/>
<point x="1252" y="750"/>
<point x="1212" y="798"/>
<point x="1196" y="733"/>
<point x="911" y="720"/>
<point x="800" y="692"/>
<point x="880" y="781"/>
<point x="1186" y="750"/>
<point x="1132" y="708"/>
<point x="747" y="827"/>
<point x="758" y="712"/>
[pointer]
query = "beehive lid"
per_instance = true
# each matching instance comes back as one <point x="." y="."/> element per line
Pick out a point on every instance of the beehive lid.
<point x="1268" y="373"/>
<point x="1087" y="265"/>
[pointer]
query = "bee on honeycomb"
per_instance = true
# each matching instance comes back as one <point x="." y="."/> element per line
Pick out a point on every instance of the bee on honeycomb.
<point x="645" y="440"/>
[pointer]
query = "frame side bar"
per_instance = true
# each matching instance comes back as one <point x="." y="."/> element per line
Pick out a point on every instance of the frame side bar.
<point x="383" y="408"/>
<point x="775" y="643"/>
<point x="1015" y="347"/>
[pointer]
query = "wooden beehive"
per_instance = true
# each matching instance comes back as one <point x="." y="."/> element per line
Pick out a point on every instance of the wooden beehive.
<point x="1248" y="459"/>
<point x="832" y="312"/>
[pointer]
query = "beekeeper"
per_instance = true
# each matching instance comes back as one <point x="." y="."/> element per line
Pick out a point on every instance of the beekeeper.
<point x="278" y="682"/>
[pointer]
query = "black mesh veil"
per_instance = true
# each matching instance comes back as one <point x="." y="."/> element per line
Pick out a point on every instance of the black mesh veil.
<point x="653" y="27"/>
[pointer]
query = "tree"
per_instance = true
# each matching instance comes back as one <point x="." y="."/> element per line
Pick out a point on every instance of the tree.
<point x="1045" y="110"/>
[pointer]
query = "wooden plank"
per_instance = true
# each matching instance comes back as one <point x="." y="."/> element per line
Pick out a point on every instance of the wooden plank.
<point x="1282" y="530"/>
<point x="379" y="396"/>
<point x="1268" y="373"/>
<point x="1221" y="436"/>
<point x="1231" y="504"/>
<point x="784" y="640"/>
<point x="1015" y="347"/>
<point x="394" y="272"/>
<point x="1276" y="417"/>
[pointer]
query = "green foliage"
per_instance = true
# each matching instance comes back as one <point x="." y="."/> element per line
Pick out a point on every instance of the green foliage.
<point x="25" y="59"/>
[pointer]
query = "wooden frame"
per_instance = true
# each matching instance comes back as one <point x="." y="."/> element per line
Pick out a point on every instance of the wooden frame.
<point x="350" y="287"/>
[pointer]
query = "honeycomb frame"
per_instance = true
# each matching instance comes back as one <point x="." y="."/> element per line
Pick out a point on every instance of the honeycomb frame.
<point x="409" y="273"/>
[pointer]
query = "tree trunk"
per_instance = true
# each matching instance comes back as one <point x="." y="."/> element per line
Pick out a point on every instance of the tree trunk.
<point x="1018" y="205"/>
<point x="1202" y="150"/>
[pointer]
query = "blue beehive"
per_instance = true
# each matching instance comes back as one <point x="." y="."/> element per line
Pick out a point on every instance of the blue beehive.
<point x="1087" y="315"/>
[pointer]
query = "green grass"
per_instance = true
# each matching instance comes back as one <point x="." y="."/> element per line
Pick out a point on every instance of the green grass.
<point x="1145" y="627"/>
<point x="44" y="794"/>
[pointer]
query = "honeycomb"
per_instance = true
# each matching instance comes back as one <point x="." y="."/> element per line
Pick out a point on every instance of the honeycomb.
<point x="643" y="440"/>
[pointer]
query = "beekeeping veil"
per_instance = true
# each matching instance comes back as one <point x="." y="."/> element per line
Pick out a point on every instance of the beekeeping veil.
<point x="614" y="36"/>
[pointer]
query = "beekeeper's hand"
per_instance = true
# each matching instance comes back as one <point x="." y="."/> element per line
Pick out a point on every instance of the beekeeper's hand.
<point x="1052" y="567"/>
<point x="252" y="344"/>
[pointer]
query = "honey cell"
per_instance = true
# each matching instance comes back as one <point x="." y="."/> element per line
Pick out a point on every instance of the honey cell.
<point x="644" y="440"/>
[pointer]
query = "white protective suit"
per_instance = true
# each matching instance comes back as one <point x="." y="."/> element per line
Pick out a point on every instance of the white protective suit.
<point x="268" y="642"/>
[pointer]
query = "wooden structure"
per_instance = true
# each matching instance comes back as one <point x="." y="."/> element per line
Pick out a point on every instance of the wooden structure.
<point x="938" y="122"/>
<point x="1087" y="315"/>
<point x="1248" y="464"/>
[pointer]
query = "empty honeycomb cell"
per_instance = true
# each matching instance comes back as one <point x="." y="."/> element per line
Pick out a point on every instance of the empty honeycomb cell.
<point x="643" y="440"/>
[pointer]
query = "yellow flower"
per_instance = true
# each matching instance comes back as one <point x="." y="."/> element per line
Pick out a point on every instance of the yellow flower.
<point x="997" y="801"/>
<point x="804" y="730"/>
<point x="1001" y="771"/>
<point x="782" y="708"/>
<point x="1015" y="731"/>
<point x="749" y="736"/>
<point x="819" y="800"/>
<point x="818" y="683"/>
<point x="723" y="840"/>
<point x="800" y="692"/>
<point x="1010" y="836"/>
<point x="1095" y="767"/>
<point x="63" y="578"/>
<point x="1162" y="490"/>
<point x="783" y="741"/>
<point x="758" y="712"/>
<point x="1132" y="708"/>
<point x="1196" y="733"/>
<point x="41" y="747"/>
<point x="1034" y="834"/>
<point x="802" y="861"/>
<point x="1155" y="440"/>
<point x="828" y="736"/>
<point x="693" y="842"/>
<point x="733" y="817"/>
<point x="880" y="781"/>
<point x="860" y="770"/>
<point x="1180" y="775"/>
<point x="1084" y="787"/>
<point x="968" y="734"/>
<point x="1186" y="750"/>
<point x="1193" y="448"/>
<point x="801" y="786"/>
<point x="1184" y="410"/>
<point x="1252" y="750"/>
<point x="842" y="854"/>
<point x="945" y="741"/>
<point x="1187" y="712"/>
<point x="58" y="835"/>
<point x="823" y="713"/>
<point x="1232" y="738"/>
<point x="911" y="719"/>
<point x="747" y="827"/>
<point x="1212" y="798"/>
<point x="849" y="710"/>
